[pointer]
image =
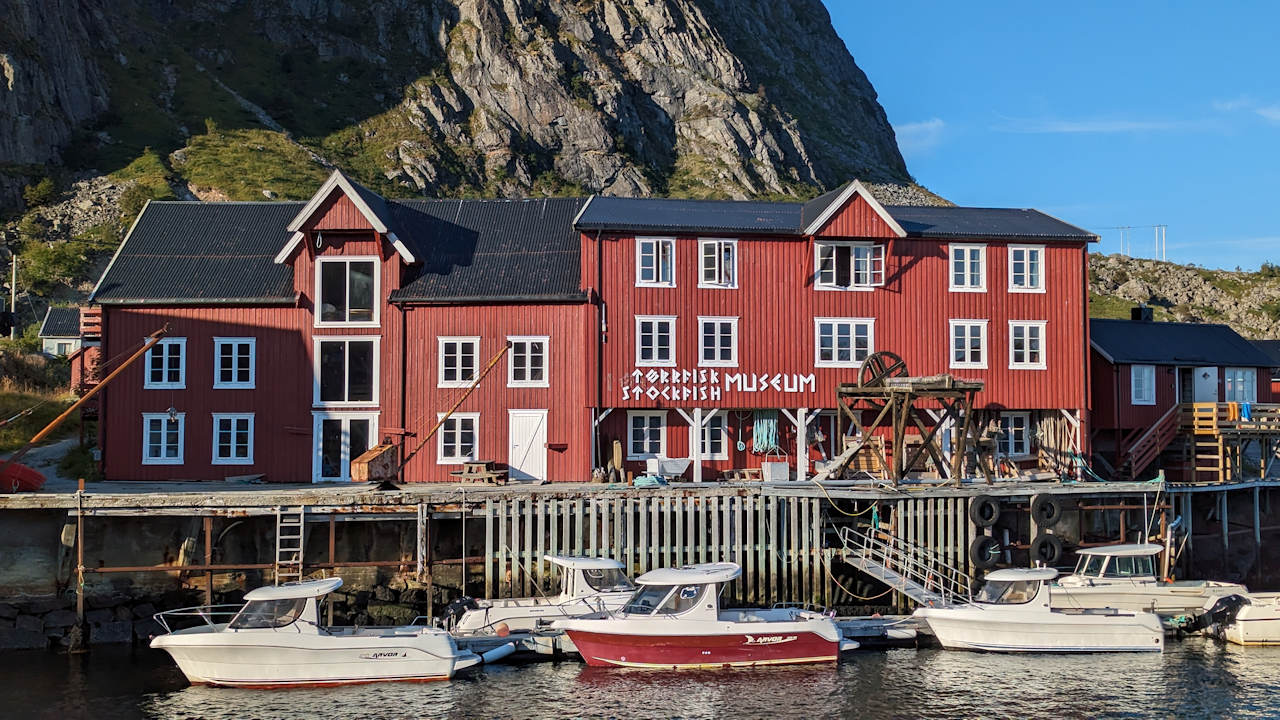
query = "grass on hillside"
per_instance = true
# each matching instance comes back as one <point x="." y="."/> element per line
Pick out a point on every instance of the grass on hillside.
<point x="1117" y="308"/>
<point x="243" y="163"/>
<point x="16" y="433"/>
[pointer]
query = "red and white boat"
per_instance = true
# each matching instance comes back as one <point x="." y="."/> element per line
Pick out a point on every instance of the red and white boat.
<point x="674" y="620"/>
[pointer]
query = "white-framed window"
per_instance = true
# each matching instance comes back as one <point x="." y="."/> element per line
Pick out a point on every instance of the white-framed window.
<point x="63" y="348"/>
<point x="163" y="438"/>
<point x="166" y="365"/>
<point x="655" y="340"/>
<point x="968" y="343"/>
<point x="234" y="361"/>
<point x="968" y="268"/>
<point x="848" y="266"/>
<point x="458" y="357"/>
<point x="719" y="263"/>
<point x="232" y="438"/>
<point x="1015" y="434"/>
<point x="527" y="361"/>
<point x="1142" y="384"/>
<point x="1241" y="385"/>
<point x="655" y="262"/>
<point x="346" y="370"/>
<point x="842" y="342"/>
<point x="715" y="445"/>
<point x="347" y="291"/>
<point x="340" y="437"/>
<point x="1026" y="268"/>
<point x="1026" y="345"/>
<point x="457" y="440"/>
<point x="646" y="434"/>
<point x="718" y="341"/>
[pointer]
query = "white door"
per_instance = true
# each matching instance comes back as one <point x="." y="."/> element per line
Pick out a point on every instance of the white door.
<point x="527" y="456"/>
<point x="1206" y="384"/>
<point x="338" y="437"/>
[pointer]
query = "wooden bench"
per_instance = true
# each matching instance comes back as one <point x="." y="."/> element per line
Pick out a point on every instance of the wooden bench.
<point x="742" y="475"/>
<point x="480" y="471"/>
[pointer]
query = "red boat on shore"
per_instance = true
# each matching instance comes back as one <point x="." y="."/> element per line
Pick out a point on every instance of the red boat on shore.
<point x="674" y="621"/>
<point x="16" y="477"/>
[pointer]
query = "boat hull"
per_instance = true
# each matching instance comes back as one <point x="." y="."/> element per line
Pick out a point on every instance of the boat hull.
<point x="985" y="630"/>
<point x="1162" y="599"/>
<point x="770" y="647"/>
<point x="251" y="660"/>
<point x="1257" y="623"/>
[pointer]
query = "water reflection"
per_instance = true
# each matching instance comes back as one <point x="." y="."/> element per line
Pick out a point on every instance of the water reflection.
<point x="1193" y="678"/>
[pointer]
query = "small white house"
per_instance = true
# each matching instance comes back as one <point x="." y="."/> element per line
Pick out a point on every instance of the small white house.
<point x="60" y="331"/>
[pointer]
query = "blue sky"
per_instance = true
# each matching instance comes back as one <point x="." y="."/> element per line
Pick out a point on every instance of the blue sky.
<point x="1103" y="114"/>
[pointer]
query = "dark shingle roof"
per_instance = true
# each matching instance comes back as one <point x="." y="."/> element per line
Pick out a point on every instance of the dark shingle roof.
<point x="946" y="222"/>
<point x="491" y="249"/>
<point x="1271" y="348"/>
<point x="659" y="215"/>
<point x="1171" y="343"/>
<point x="61" y="322"/>
<point x="196" y="252"/>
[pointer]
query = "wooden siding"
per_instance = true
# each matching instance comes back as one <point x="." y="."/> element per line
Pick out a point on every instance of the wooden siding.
<point x="857" y="219"/>
<point x="776" y="304"/>
<point x="337" y="212"/>
<point x="1113" y="406"/>
<point x="565" y="398"/>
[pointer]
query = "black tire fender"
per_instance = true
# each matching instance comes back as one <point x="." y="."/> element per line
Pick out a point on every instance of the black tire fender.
<point x="1046" y="548"/>
<point x="1046" y="509"/>
<point x="984" y="511"/>
<point x="984" y="552"/>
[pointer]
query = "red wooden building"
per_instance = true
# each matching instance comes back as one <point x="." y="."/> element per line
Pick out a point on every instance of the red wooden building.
<point x="302" y="333"/>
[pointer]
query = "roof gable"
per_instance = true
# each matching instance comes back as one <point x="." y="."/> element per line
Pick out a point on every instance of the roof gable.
<point x="1130" y="342"/>
<point x="824" y="211"/>
<point x="370" y="205"/>
<point x="61" y="322"/>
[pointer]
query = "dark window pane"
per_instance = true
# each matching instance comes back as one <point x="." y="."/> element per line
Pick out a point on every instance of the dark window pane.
<point x="361" y="292"/>
<point x="360" y="374"/>
<point x="359" y="438"/>
<point x="844" y="266"/>
<point x="331" y="448"/>
<point x="333" y="371"/>
<point x="333" y="292"/>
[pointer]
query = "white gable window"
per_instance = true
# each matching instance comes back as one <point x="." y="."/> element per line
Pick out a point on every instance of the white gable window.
<point x="1015" y="434"/>
<point x="719" y="263"/>
<point x="968" y="268"/>
<point x="163" y="438"/>
<point x="1241" y="385"/>
<point x="233" y="363"/>
<point x="458" y="358"/>
<point x="1026" y="345"/>
<point x="1142" y="384"/>
<point x="718" y="344"/>
<point x="166" y="365"/>
<point x="527" y="361"/>
<point x="346" y="370"/>
<point x="1026" y="268"/>
<point x="457" y="440"/>
<point x="714" y="445"/>
<point x="646" y="435"/>
<point x="655" y="262"/>
<point x="233" y="439"/>
<point x="655" y="340"/>
<point x="968" y="343"/>
<point x="848" y="266"/>
<point x="842" y="342"/>
<point x="347" y="291"/>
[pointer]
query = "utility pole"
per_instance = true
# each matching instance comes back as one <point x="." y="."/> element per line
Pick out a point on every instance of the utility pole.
<point x="13" y="296"/>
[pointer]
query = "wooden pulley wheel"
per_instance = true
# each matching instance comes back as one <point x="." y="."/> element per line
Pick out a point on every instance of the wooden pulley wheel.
<point x="878" y="367"/>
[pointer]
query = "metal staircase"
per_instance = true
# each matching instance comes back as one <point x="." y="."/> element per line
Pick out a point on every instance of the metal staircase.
<point x="290" y="542"/>
<point x="911" y="570"/>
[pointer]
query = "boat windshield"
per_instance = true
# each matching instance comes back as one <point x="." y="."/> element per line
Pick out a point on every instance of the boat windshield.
<point x="682" y="600"/>
<point x="261" y="614"/>
<point x="607" y="580"/>
<point x="1008" y="592"/>
<point x="1090" y="565"/>
<point x="1133" y="566"/>
<point x="646" y="599"/>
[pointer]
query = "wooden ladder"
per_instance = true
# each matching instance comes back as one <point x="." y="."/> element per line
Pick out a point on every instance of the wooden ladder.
<point x="290" y="543"/>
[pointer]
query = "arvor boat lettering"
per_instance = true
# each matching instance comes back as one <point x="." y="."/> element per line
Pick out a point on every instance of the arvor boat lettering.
<point x="769" y="639"/>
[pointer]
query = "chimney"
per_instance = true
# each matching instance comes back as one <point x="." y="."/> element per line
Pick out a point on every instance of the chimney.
<point x="1142" y="313"/>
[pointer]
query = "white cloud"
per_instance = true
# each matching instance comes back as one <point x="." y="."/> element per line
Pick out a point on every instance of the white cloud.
<point x="1270" y="112"/>
<point x="919" y="137"/>
<point x="1244" y="102"/>
<point x="1033" y="126"/>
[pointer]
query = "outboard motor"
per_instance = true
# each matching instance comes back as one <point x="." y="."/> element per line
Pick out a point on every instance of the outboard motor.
<point x="1218" y="617"/>
<point x="454" y="611"/>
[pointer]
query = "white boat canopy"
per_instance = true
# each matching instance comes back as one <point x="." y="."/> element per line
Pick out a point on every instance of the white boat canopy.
<point x="1016" y="574"/>
<point x="700" y="574"/>
<point x="1127" y="550"/>
<point x="574" y="562"/>
<point x="293" y="591"/>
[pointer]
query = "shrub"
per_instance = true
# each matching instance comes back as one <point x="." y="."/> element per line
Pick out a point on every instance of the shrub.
<point x="30" y="228"/>
<point x="42" y="193"/>
<point x="45" y="266"/>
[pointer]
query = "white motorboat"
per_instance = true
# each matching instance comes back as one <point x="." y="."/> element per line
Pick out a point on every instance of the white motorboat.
<point x="588" y="585"/>
<point x="1124" y="577"/>
<point x="674" y="620"/>
<point x="1245" y="619"/>
<point x="1013" y="613"/>
<point x="275" y="640"/>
